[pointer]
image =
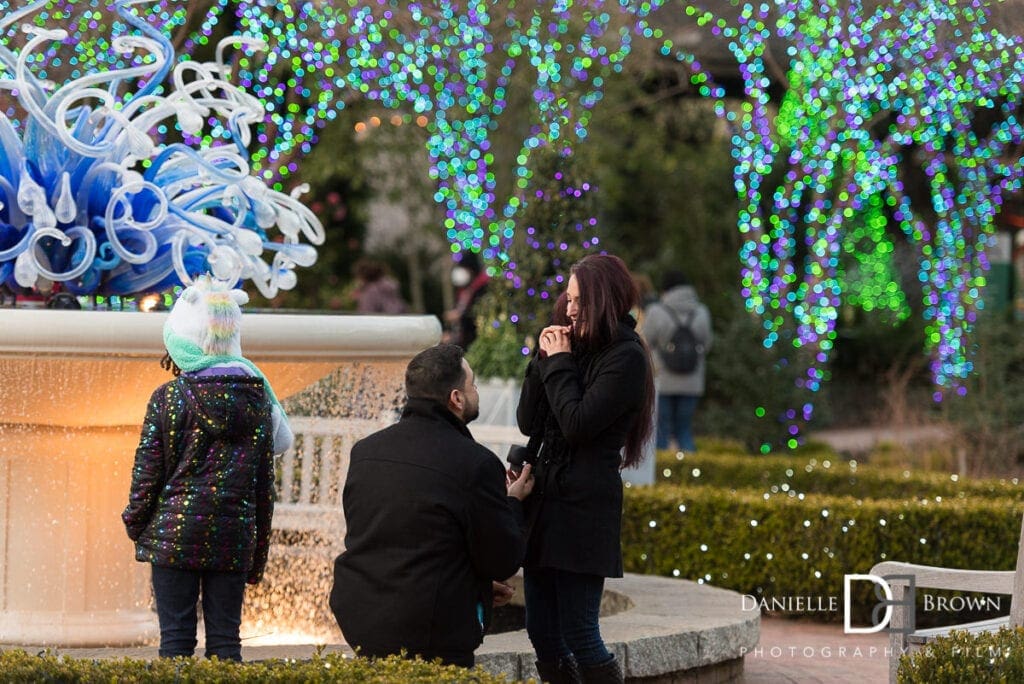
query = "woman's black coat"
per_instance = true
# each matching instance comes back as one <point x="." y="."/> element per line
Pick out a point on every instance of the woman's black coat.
<point x="576" y="507"/>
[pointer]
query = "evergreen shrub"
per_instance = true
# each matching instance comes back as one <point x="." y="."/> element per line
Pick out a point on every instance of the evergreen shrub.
<point x="18" y="667"/>
<point x="497" y="351"/>
<point x="753" y="393"/>
<point x="825" y="473"/>
<point x="791" y="544"/>
<point x="964" y="658"/>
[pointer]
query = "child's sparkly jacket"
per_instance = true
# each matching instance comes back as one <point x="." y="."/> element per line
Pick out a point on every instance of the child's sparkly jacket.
<point x="202" y="493"/>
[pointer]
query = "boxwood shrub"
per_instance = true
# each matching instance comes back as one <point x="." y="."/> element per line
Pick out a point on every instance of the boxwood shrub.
<point x="824" y="473"/>
<point x="983" y="658"/>
<point x="17" y="666"/>
<point x="770" y="545"/>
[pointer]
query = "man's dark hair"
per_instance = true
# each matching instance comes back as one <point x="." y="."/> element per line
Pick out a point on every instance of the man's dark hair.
<point x="673" y="278"/>
<point x="435" y="372"/>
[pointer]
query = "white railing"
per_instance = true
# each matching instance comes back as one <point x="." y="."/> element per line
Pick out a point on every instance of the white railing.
<point x="498" y="401"/>
<point x="310" y="476"/>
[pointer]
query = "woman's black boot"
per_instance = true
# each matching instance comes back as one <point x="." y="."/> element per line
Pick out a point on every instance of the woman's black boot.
<point x="565" y="671"/>
<point x="608" y="672"/>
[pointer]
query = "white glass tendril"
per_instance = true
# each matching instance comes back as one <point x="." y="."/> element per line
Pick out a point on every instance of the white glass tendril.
<point x="91" y="198"/>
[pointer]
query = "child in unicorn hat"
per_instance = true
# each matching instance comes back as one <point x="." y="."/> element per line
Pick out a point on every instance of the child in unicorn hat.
<point x="202" y="493"/>
<point x="203" y="335"/>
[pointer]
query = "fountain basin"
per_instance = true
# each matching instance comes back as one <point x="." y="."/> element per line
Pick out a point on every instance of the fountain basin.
<point x="49" y="372"/>
<point x="73" y="392"/>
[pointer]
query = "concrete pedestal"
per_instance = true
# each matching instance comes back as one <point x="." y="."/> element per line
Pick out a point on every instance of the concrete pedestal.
<point x="73" y="392"/>
<point x="68" y="575"/>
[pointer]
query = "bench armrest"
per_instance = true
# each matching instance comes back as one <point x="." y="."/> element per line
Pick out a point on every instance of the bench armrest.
<point x="986" y="581"/>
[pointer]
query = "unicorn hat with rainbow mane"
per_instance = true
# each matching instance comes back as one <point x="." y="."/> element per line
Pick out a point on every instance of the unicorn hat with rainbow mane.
<point x="206" y="321"/>
<point x="204" y="329"/>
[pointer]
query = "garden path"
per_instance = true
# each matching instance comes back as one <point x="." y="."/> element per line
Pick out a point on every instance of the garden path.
<point x="803" y="652"/>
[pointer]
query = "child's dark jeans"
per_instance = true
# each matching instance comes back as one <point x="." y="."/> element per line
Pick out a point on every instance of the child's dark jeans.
<point x="177" y="592"/>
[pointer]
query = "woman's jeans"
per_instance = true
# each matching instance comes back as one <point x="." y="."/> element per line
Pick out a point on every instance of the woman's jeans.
<point x="562" y="610"/>
<point x="177" y="592"/>
<point x="675" y="419"/>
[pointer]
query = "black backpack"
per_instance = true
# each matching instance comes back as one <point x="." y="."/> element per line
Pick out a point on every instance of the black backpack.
<point x="681" y="352"/>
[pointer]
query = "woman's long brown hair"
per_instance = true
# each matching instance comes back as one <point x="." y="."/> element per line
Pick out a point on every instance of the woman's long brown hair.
<point x="607" y="294"/>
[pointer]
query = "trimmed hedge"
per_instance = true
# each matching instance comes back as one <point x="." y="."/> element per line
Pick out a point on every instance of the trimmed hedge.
<point x="18" y="666"/>
<point x="967" y="658"/>
<point x="823" y="473"/>
<point x="792" y="545"/>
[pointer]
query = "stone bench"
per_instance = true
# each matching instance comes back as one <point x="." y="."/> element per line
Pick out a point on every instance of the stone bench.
<point x="659" y="628"/>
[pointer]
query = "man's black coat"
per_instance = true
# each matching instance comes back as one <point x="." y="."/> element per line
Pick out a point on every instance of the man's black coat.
<point x="429" y="527"/>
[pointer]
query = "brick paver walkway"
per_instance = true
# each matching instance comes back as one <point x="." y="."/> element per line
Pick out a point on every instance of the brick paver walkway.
<point x="812" y="653"/>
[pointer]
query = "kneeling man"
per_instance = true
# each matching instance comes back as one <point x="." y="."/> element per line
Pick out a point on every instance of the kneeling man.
<point x="432" y="526"/>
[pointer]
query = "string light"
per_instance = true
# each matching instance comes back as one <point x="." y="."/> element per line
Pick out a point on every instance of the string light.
<point x="451" y="66"/>
<point x="871" y="93"/>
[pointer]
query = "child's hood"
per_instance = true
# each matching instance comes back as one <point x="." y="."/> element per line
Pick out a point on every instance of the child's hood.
<point x="225" y="403"/>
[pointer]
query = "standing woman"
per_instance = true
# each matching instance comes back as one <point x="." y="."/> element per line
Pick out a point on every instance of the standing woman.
<point x="590" y="393"/>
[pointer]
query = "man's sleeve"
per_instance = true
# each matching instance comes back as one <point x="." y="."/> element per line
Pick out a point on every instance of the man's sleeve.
<point x="497" y="541"/>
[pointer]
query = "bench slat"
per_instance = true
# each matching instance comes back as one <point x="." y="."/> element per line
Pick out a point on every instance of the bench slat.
<point x="923" y="636"/>
<point x="305" y="481"/>
<point x="986" y="581"/>
<point x="284" y="491"/>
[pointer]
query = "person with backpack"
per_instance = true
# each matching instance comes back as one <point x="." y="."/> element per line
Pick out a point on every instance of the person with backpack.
<point x="678" y="329"/>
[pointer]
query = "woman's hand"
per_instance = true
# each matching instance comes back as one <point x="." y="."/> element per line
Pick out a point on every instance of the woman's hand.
<point x="555" y="339"/>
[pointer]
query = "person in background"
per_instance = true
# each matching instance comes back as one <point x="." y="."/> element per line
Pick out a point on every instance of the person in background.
<point x="470" y="280"/>
<point x="433" y="528"/>
<point x="678" y="393"/>
<point x="594" y="375"/>
<point x="647" y="294"/>
<point x="202" y="492"/>
<point x="376" y="291"/>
